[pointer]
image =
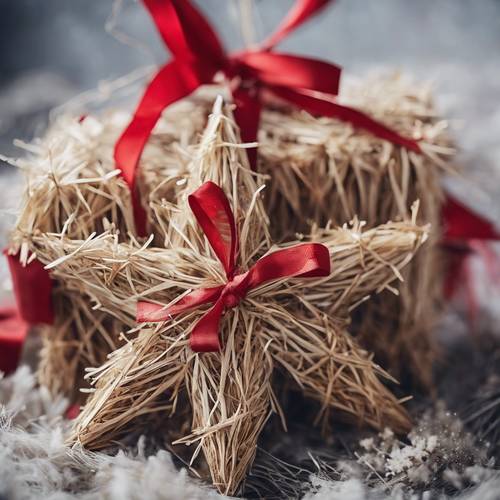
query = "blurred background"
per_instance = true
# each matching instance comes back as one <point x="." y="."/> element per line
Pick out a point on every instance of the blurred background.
<point x="53" y="50"/>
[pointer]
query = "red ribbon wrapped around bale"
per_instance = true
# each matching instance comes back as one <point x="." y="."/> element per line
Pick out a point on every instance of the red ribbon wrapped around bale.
<point x="309" y="84"/>
<point x="199" y="57"/>
<point x="32" y="288"/>
<point x="466" y="233"/>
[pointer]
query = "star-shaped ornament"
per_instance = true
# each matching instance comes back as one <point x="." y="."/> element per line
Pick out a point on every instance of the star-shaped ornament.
<point x="223" y="310"/>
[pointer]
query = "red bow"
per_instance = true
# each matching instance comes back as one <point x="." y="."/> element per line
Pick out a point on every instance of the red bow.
<point x="198" y="56"/>
<point x="213" y="212"/>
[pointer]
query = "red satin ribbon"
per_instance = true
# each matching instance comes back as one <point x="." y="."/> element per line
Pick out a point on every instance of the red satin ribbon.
<point x="32" y="289"/>
<point x="465" y="233"/>
<point x="198" y="56"/>
<point x="72" y="412"/>
<point x="462" y="224"/>
<point x="213" y="212"/>
<point x="13" y="332"/>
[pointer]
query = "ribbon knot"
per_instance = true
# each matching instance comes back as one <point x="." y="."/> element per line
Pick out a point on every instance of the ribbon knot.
<point x="213" y="212"/>
<point x="198" y="56"/>
<point x="234" y="291"/>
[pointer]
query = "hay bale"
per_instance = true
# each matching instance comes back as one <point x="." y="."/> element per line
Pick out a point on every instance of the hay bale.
<point x="319" y="170"/>
<point x="73" y="190"/>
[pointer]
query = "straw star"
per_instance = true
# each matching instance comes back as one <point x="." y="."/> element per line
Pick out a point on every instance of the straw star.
<point x="296" y="325"/>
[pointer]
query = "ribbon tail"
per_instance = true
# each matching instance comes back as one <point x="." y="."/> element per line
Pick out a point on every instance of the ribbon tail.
<point x="300" y="12"/>
<point x="168" y="86"/>
<point x="247" y="116"/>
<point x="491" y="260"/>
<point x="464" y="232"/>
<point x="292" y="72"/>
<point x="472" y="302"/>
<point x="326" y="107"/>
<point x="148" y="312"/>
<point x="205" y="333"/>
<point x="462" y="224"/>
<point x="455" y="271"/>
<point x="13" y="332"/>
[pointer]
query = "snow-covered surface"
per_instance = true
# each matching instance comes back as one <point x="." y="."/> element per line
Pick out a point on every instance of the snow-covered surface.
<point x="35" y="463"/>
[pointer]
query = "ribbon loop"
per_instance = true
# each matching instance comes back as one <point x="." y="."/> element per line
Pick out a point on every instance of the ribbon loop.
<point x="185" y="31"/>
<point x="291" y="71"/>
<point x="213" y="212"/>
<point x="307" y="260"/>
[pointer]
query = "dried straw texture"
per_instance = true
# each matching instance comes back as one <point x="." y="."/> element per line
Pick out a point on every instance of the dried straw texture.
<point x="322" y="170"/>
<point x="74" y="190"/>
<point x="70" y="191"/>
<point x="319" y="169"/>
<point x="280" y="325"/>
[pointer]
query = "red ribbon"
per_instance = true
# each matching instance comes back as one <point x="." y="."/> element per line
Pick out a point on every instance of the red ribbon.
<point x="462" y="224"/>
<point x="33" y="293"/>
<point x="32" y="289"/>
<point x="13" y="332"/>
<point x="465" y="233"/>
<point x="309" y="84"/>
<point x="213" y="212"/>
<point x="198" y="56"/>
